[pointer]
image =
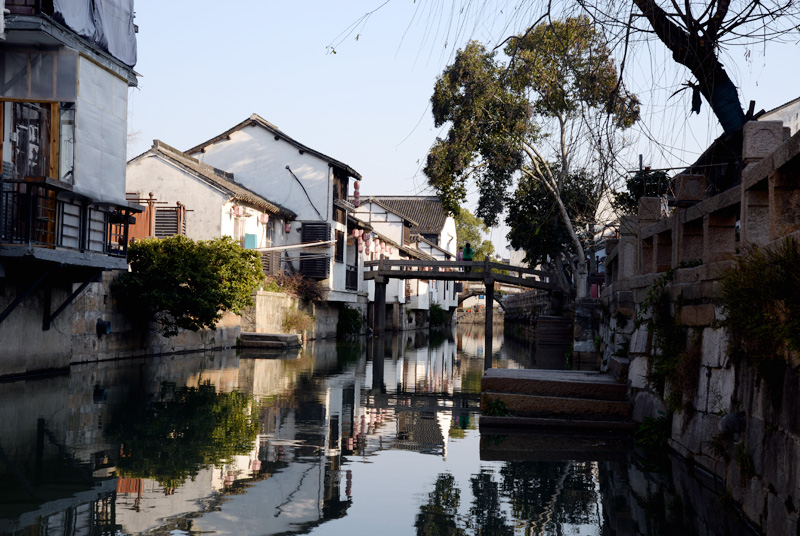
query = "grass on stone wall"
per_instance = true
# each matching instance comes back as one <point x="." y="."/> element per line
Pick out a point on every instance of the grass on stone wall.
<point x="296" y="285"/>
<point x="297" y="321"/>
<point x="761" y="298"/>
<point x="675" y="360"/>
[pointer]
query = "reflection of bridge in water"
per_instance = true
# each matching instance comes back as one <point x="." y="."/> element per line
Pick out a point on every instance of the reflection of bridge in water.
<point x="501" y="290"/>
<point x="486" y="272"/>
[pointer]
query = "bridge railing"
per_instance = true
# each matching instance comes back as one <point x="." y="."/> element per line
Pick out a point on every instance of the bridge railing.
<point x="534" y="303"/>
<point x="475" y="266"/>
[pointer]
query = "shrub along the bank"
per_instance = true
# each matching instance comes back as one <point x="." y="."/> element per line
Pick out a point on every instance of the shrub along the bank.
<point x="183" y="284"/>
<point x="296" y="285"/>
<point x="436" y="315"/>
<point x="350" y="322"/>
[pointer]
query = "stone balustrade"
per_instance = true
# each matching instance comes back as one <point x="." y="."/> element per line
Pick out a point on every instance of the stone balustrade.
<point x="689" y="243"/>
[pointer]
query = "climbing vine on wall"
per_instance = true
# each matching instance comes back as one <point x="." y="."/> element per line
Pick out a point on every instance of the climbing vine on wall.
<point x="675" y="358"/>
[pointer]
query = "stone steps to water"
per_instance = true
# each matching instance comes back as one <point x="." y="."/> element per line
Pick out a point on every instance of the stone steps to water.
<point x="269" y="340"/>
<point x="509" y="444"/>
<point x="558" y="383"/>
<point x="561" y="407"/>
<point x="556" y="399"/>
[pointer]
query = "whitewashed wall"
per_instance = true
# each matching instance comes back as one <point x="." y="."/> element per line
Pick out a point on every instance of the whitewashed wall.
<point x="209" y="213"/>
<point x="259" y="163"/>
<point x="384" y="222"/>
<point x="252" y="224"/>
<point x="170" y="184"/>
<point x="789" y="114"/>
<point x="448" y="236"/>
<point x="101" y="131"/>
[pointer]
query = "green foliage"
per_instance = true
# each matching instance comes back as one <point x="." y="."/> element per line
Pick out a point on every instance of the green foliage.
<point x="270" y="285"/>
<point x="437" y="316"/>
<point x="742" y="457"/>
<point x="535" y="224"/>
<point x="673" y="362"/>
<point x="562" y="72"/>
<point x="570" y="69"/>
<point x="622" y="319"/>
<point x="496" y="408"/>
<point x="761" y="298"/>
<point x="487" y="118"/>
<point x="644" y="183"/>
<point x="296" y="285"/>
<point x="654" y="432"/>
<point x="470" y="228"/>
<point x="184" y="431"/>
<point x="717" y="447"/>
<point x="183" y="284"/>
<point x="297" y="321"/>
<point x="350" y="322"/>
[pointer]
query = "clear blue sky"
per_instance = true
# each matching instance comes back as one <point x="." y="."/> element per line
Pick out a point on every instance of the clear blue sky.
<point x="207" y="65"/>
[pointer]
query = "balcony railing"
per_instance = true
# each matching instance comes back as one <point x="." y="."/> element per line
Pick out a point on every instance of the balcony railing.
<point x="25" y="7"/>
<point x="40" y="213"/>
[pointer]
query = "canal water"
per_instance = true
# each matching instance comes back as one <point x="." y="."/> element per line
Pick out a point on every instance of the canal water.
<point x="379" y="436"/>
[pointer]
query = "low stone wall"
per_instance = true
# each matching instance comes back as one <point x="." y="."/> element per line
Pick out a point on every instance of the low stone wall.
<point x="267" y="316"/>
<point x="73" y="337"/>
<point x="726" y="419"/>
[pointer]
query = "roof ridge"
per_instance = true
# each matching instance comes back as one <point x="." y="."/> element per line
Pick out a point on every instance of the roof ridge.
<point x="260" y="121"/>
<point x="220" y="178"/>
<point x="164" y="147"/>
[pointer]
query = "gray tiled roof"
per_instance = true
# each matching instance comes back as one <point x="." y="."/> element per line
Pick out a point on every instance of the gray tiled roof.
<point x="219" y="178"/>
<point x="426" y="211"/>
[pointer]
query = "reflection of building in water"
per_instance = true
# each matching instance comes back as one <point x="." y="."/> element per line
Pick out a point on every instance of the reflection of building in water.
<point x="315" y="410"/>
<point x="55" y="439"/>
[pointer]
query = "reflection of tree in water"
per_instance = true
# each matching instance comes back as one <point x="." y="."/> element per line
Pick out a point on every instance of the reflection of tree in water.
<point x="184" y="431"/>
<point x="348" y="353"/>
<point x="542" y="496"/>
<point x="438" y="517"/>
<point x="487" y="518"/>
<point x="547" y="492"/>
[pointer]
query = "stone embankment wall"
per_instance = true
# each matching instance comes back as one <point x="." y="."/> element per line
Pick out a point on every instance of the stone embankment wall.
<point x="724" y="417"/>
<point x="73" y="337"/>
<point x="271" y="308"/>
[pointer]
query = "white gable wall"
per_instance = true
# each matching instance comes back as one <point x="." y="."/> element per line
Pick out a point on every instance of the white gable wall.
<point x="258" y="162"/>
<point x="448" y="236"/>
<point x="789" y="114"/>
<point x="383" y="221"/>
<point x="101" y="132"/>
<point x="171" y="185"/>
<point x="209" y="211"/>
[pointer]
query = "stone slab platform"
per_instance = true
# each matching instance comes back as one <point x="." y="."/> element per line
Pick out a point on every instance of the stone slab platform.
<point x="524" y="405"/>
<point x="554" y="383"/>
<point x="269" y="340"/>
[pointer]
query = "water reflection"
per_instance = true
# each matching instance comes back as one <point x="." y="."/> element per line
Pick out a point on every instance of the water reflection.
<point x="346" y="439"/>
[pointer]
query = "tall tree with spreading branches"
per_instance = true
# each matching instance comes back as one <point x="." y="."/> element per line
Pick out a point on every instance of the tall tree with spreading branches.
<point x="470" y="229"/>
<point x="556" y="99"/>
<point x="697" y="33"/>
